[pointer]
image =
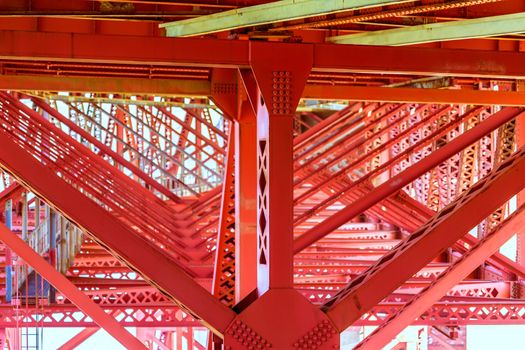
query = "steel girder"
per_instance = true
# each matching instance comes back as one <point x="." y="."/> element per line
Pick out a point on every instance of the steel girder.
<point x="454" y="30"/>
<point x="202" y="88"/>
<point x="422" y="118"/>
<point x="266" y="13"/>
<point x="413" y="95"/>
<point x="236" y="54"/>
<point x="224" y="274"/>
<point x="172" y="87"/>
<point x="169" y="316"/>
<point x="153" y="217"/>
<point x="424" y="214"/>
<point x="387" y="14"/>
<point x="164" y="315"/>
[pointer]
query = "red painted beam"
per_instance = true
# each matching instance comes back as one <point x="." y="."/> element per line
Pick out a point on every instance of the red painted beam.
<point x="402" y="95"/>
<point x="202" y="88"/>
<point x="93" y="84"/>
<point x="122" y="49"/>
<point x="412" y="206"/>
<point x="281" y="75"/>
<point x="234" y="54"/>
<point x="415" y="60"/>
<point x="223" y="286"/>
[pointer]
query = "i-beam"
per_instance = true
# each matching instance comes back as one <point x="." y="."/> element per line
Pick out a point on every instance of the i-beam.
<point x="426" y="33"/>
<point x="272" y="12"/>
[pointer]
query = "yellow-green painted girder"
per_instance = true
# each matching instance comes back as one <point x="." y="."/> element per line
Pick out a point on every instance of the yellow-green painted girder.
<point x="272" y="12"/>
<point x="456" y="30"/>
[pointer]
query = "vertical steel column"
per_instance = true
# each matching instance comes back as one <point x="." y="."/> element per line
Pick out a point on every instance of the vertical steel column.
<point x="246" y="190"/>
<point x="8" y="254"/>
<point x="24" y="217"/>
<point x="281" y="74"/>
<point x="223" y="286"/>
<point x="245" y="206"/>
<point x="179" y="338"/>
<point x="52" y="248"/>
<point x="119" y="115"/>
<point x="231" y="93"/>
<point x="520" y="142"/>
<point x="37" y="211"/>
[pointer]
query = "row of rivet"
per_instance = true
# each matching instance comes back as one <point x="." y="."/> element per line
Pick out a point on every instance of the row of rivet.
<point x="319" y="335"/>
<point x="247" y="337"/>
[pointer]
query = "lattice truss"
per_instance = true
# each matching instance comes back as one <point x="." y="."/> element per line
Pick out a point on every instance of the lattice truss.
<point x="179" y="145"/>
<point x="178" y="157"/>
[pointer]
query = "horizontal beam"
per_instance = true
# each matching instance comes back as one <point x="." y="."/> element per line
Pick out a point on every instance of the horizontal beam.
<point x="61" y="47"/>
<point x="169" y="87"/>
<point x="153" y="315"/>
<point x="426" y="33"/>
<point x="68" y="289"/>
<point x="414" y="95"/>
<point x="463" y="312"/>
<point x="417" y="60"/>
<point x="71" y="47"/>
<point x="459" y="313"/>
<point x="276" y="11"/>
<point x="202" y="88"/>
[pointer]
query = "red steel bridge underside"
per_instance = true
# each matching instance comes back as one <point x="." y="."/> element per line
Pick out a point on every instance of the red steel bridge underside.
<point x="274" y="180"/>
